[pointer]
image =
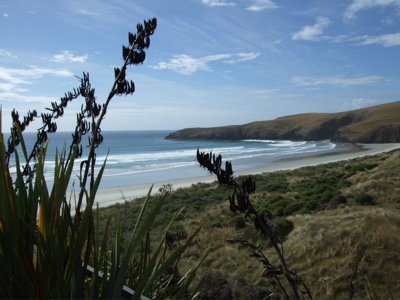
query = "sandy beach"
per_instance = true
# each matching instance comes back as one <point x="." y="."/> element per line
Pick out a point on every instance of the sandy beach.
<point x="109" y="196"/>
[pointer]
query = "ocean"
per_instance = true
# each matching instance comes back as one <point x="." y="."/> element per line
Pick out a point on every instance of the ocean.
<point x="141" y="157"/>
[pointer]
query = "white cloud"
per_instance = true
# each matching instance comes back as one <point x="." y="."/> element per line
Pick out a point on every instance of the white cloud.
<point x="11" y="79"/>
<point x="389" y="21"/>
<point x="68" y="56"/>
<point x="256" y="5"/>
<point x="87" y="12"/>
<point x="11" y="87"/>
<point x="387" y="40"/>
<point x="259" y="5"/>
<point x="14" y="77"/>
<point x="5" y="15"/>
<point x="217" y="3"/>
<point x="265" y="93"/>
<point x="359" y="103"/>
<point x="312" y="33"/>
<point x="247" y="56"/>
<point x="358" y="5"/>
<point x="187" y="65"/>
<point x="335" y="80"/>
<point x="19" y="75"/>
<point x="244" y="57"/>
<point x="339" y="38"/>
<point x="14" y="97"/>
<point x="7" y="54"/>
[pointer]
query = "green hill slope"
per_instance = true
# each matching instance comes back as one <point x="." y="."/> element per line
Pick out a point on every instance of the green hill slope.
<point x="376" y="124"/>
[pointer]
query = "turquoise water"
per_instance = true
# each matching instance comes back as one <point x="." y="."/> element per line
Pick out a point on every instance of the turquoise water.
<point x="139" y="157"/>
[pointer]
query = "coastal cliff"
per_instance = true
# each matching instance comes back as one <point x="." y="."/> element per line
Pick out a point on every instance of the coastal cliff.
<point x="376" y="124"/>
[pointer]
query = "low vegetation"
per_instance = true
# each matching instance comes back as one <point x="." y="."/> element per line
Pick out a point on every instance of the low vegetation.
<point x="340" y="242"/>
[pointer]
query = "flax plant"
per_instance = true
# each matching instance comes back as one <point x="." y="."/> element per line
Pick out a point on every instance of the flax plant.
<point x="48" y="249"/>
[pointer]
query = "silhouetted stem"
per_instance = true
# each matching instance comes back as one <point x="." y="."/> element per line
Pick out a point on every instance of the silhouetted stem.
<point x="267" y="230"/>
<point x="95" y="130"/>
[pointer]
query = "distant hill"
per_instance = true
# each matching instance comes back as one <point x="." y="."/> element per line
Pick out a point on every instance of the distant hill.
<point x="376" y="124"/>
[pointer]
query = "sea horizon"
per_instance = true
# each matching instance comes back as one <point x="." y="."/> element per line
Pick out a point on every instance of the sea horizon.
<point x="137" y="157"/>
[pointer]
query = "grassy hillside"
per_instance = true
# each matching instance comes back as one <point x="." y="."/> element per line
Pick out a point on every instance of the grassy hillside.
<point x="346" y="223"/>
<point x="376" y="124"/>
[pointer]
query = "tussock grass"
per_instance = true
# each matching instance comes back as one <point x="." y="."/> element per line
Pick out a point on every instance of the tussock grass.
<point x="325" y="247"/>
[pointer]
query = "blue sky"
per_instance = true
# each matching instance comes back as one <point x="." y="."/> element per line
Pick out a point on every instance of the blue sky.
<point x="210" y="62"/>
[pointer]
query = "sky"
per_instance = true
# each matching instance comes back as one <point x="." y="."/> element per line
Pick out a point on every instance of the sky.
<point x="210" y="62"/>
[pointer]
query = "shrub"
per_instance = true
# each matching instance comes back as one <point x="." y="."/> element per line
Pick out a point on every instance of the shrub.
<point x="312" y="204"/>
<point x="344" y="184"/>
<point x="294" y="207"/>
<point x="371" y="166"/>
<point x="279" y="211"/>
<point x="178" y="227"/>
<point x="282" y="227"/>
<point x="323" y="188"/>
<point x="364" y="199"/>
<point x="308" y="190"/>
<point x="329" y="180"/>
<point x="264" y="211"/>
<point x="275" y="186"/>
<point x="214" y="224"/>
<point x="215" y="286"/>
<point x="281" y="204"/>
<point x="242" y="289"/>
<point x="348" y="175"/>
<point x="303" y="211"/>
<point x="275" y="199"/>
<point x="240" y="222"/>
<point x="336" y="200"/>
<point x="358" y="168"/>
<point x="326" y="196"/>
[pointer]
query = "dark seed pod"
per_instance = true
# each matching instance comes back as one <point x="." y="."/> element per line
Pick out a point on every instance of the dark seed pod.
<point x="125" y="52"/>
<point x="132" y="38"/>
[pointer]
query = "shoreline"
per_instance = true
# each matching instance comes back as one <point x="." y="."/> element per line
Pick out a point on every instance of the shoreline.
<point x="110" y="196"/>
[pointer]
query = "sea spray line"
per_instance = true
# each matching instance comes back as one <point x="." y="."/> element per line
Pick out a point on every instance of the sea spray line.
<point x="130" y="153"/>
<point x="168" y="159"/>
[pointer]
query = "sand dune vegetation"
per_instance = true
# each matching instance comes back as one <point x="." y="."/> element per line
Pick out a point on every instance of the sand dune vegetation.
<point x="339" y="224"/>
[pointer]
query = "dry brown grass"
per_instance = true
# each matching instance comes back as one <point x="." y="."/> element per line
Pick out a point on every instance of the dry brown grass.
<point x="382" y="182"/>
<point x="325" y="247"/>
